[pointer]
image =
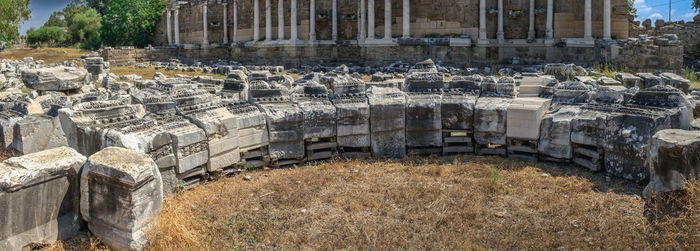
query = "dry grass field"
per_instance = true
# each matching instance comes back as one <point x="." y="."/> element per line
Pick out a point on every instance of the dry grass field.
<point x="420" y="204"/>
<point x="49" y="55"/>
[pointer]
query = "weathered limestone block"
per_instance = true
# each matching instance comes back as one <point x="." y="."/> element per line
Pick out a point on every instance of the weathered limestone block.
<point x="55" y="78"/>
<point x="95" y="65"/>
<point x="612" y="94"/>
<point x="426" y="66"/>
<point x="284" y="120"/>
<point x="524" y="117"/>
<point x="318" y="111"/>
<point x="259" y="75"/>
<point x="387" y="122"/>
<point x="39" y="197"/>
<point x="588" y="134"/>
<point x="36" y="133"/>
<point x="573" y="93"/>
<point x="353" y="118"/>
<point x="14" y="108"/>
<point x="649" y="80"/>
<point x="207" y="111"/>
<point x="235" y="88"/>
<point x="564" y="72"/>
<point x="534" y="86"/>
<point x="555" y="133"/>
<point x="188" y="143"/>
<point x="458" y="103"/>
<point x="423" y="111"/>
<point x="676" y="81"/>
<point x="630" y="128"/>
<point x="629" y="80"/>
<point x="121" y="191"/>
<point x="674" y="160"/>
<point x="490" y="114"/>
<point x="252" y="125"/>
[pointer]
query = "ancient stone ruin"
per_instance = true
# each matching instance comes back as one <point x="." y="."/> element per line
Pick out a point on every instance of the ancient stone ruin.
<point x="104" y="150"/>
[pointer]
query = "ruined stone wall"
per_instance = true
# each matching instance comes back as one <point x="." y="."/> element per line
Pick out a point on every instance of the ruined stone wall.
<point x="429" y="18"/>
<point x="637" y="57"/>
<point x="689" y="34"/>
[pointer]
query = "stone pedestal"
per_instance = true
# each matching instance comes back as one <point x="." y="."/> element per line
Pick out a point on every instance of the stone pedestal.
<point x="675" y="160"/>
<point x="121" y="190"/>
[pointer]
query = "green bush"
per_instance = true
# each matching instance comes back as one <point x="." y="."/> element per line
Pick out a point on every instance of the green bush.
<point x="47" y="36"/>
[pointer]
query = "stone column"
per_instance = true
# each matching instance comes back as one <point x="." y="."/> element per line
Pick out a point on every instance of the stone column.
<point x="268" y="20"/>
<point x="362" y="21"/>
<point x="531" y="33"/>
<point x="235" y="21"/>
<point x="370" y="19"/>
<point x="500" y="33"/>
<point x="607" y="22"/>
<point x="312" y="21"/>
<point x="387" y="19"/>
<point x="294" y="36"/>
<point x="169" y="27"/>
<point x="406" y="19"/>
<point x="550" y="20"/>
<point x="334" y="25"/>
<point x="205" y="26"/>
<point x="225" y="22"/>
<point x="588" y="26"/>
<point x="280" y="20"/>
<point x="482" y="20"/>
<point x="256" y="20"/>
<point x="177" y="25"/>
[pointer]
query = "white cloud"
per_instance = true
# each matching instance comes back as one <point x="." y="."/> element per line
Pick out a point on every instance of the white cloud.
<point x="688" y="16"/>
<point x="642" y="7"/>
<point x="655" y="16"/>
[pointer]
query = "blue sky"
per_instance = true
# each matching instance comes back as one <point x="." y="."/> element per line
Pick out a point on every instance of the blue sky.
<point x="654" y="9"/>
<point x="658" y="9"/>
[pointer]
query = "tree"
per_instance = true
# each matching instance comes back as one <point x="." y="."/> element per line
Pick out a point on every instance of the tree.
<point x="56" y="19"/>
<point x="85" y="26"/>
<point x="12" y="14"/>
<point x="696" y="5"/>
<point x="130" y="22"/>
<point x="46" y="35"/>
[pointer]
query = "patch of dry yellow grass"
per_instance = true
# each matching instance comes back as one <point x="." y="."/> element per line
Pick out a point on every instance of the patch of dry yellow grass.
<point x="149" y="72"/>
<point x="49" y="55"/>
<point x="435" y="203"/>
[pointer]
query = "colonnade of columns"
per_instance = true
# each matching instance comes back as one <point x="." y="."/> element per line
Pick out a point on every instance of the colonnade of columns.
<point x="366" y="21"/>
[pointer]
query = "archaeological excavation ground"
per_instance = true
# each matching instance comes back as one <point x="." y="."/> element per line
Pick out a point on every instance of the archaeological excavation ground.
<point x="380" y="125"/>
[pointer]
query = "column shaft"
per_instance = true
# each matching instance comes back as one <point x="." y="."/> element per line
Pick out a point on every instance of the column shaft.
<point x="370" y="19"/>
<point x="406" y="19"/>
<point x="256" y="20"/>
<point x="280" y="20"/>
<point x="588" y="27"/>
<point x="235" y="21"/>
<point x="268" y="20"/>
<point x="607" y="22"/>
<point x="293" y="22"/>
<point x="312" y="20"/>
<point x="225" y="22"/>
<point x="362" y="21"/>
<point x="531" y="32"/>
<point x="550" y="20"/>
<point x="482" y="20"/>
<point x="500" y="33"/>
<point x="169" y="27"/>
<point x="177" y="25"/>
<point x="387" y="19"/>
<point x="334" y="19"/>
<point x="205" y="26"/>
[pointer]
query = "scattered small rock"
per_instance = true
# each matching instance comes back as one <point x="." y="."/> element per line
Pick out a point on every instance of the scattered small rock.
<point x="247" y="178"/>
<point x="545" y="175"/>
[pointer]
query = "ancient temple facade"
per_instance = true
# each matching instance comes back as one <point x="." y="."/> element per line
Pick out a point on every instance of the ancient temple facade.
<point x="368" y="23"/>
